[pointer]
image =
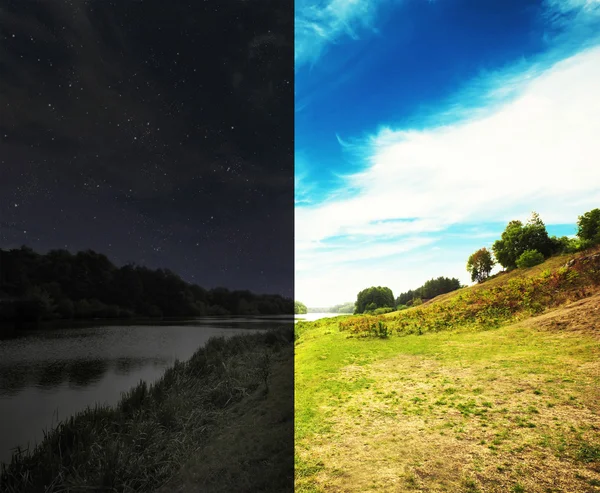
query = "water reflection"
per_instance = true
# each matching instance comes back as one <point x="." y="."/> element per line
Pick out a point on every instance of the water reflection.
<point x="59" y="372"/>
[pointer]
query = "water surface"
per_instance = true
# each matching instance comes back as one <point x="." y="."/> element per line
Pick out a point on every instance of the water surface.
<point x="48" y="375"/>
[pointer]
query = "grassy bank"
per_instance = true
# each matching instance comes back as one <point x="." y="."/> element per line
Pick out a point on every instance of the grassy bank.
<point x="156" y="434"/>
<point x="495" y="403"/>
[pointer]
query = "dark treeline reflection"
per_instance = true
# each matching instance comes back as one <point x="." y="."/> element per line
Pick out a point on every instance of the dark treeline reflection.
<point x="60" y="285"/>
<point x="76" y="373"/>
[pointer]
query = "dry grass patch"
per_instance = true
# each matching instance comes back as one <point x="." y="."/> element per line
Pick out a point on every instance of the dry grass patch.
<point x="474" y="417"/>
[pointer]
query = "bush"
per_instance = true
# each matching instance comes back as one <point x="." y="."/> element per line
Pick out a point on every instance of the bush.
<point x="382" y="310"/>
<point x="529" y="258"/>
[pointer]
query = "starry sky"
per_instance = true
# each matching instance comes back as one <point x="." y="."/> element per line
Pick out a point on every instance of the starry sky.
<point x="422" y="127"/>
<point x="154" y="132"/>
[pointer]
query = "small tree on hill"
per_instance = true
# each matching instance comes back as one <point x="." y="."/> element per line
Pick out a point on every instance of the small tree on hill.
<point x="588" y="227"/>
<point x="480" y="265"/>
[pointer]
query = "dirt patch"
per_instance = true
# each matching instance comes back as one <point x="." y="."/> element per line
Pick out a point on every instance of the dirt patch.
<point x="425" y="426"/>
<point x="581" y="316"/>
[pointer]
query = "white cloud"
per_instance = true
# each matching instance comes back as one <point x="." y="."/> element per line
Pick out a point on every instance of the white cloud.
<point x="319" y="24"/>
<point x="539" y="151"/>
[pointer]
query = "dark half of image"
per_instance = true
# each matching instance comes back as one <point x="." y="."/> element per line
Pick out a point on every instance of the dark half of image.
<point x="146" y="246"/>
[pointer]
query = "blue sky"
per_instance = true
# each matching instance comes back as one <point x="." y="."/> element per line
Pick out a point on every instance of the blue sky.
<point x="423" y="127"/>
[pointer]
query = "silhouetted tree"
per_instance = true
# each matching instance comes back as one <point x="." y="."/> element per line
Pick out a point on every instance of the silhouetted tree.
<point x="36" y="287"/>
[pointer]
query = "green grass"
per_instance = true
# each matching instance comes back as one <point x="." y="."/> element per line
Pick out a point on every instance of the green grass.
<point x="515" y="407"/>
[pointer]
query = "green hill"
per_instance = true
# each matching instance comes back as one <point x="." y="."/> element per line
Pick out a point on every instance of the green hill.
<point x="491" y="388"/>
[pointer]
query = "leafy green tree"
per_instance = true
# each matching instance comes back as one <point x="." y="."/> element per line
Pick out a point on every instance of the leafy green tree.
<point x="529" y="258"/>
<point x="374" y="297"/>
<point x="517" y="238"/>
<point x="588" y="227"/>
<point x="480" y="264"/>
<point x="300" y="308"/>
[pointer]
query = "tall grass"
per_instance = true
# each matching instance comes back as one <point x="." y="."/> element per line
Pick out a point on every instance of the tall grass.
<point x="142" y="442"/>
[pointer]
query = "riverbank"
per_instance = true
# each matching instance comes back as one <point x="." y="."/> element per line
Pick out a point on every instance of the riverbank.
<point x="142" y="443"/>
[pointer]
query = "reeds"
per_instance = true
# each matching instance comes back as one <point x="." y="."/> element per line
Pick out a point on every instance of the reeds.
<point x="142" y="442"/>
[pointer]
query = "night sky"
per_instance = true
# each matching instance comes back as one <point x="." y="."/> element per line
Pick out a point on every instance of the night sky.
<point x="156" y="132"/>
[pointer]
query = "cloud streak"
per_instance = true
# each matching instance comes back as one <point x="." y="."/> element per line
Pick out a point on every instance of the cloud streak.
<point x="320" y="24"/>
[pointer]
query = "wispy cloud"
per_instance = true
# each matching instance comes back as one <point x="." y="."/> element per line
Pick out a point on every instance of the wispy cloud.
<point x="321" y="23"/>
<point x="534" y="150"/>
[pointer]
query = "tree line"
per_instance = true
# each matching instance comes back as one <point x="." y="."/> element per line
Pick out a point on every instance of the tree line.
<point x="526" y="245"/>
<point x="431" y="289"/>
<point x="85" y="285"/>
<point x="378" y="299"/>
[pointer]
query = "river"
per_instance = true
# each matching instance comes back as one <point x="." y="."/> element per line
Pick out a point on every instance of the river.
<point x="48" y="375"/>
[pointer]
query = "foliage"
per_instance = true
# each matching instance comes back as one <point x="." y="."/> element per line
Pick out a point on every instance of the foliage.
<point x="374" y="297"/>
<point x="588" y="227"/>
<point x="347" y="307"/>
<point x="300" y="308"/>
<point x="381" y="311"/>
<point x="517" y="238"/>
<point x="480" y="265"/>
<point x="529" y="258"/>
<point x="485" y="308"/>
<point x="142" y="442"/>
<point x="564" y="244"/>
<point x="85" y="285"/>
<point x="431" y="289"/>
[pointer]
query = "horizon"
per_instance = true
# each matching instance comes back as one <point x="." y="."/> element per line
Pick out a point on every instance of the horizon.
<point x="417" y="142"/>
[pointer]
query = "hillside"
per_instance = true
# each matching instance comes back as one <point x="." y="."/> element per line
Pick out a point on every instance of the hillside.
<point x="492" y="388"/>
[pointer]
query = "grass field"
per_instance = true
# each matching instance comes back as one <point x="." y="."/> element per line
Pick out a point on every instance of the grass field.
<point x="514" y="408"/>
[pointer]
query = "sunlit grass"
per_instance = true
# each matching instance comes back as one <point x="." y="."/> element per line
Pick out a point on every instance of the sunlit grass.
<point x="511" y="407"/>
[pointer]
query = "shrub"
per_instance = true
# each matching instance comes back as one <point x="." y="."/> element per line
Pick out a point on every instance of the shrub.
<point x="529" y="258"/>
